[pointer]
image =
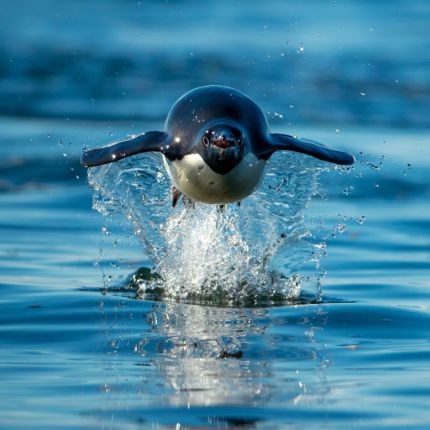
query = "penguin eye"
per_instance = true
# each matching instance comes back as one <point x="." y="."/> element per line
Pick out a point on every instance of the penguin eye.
<point x="205" y="141"/>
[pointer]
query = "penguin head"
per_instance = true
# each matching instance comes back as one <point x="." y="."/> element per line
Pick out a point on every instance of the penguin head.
<point x="222" y="146"/>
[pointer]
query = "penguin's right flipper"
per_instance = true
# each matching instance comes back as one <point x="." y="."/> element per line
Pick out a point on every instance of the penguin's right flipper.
<point x="157" y="141"/>
<point x="306" y="146"/>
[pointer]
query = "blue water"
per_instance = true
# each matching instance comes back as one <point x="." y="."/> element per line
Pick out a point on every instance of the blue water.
<point x="84" y="343"/>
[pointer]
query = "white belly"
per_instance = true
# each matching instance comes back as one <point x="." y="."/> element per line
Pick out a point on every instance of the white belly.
<point x="198" y="181"/>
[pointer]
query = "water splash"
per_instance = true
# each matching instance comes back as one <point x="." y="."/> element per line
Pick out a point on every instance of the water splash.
<point x="259" y="249"/>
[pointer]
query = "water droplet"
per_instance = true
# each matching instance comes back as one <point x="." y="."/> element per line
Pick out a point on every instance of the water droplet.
<point x="347" y="190"/>
<point x="372" y="165"/>
<point x="340" y="228"/>
<point x="360" y="219"/>
<point x="362" y="93"/>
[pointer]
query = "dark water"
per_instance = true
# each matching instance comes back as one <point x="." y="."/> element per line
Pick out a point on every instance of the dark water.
<point x="83" y="347"/>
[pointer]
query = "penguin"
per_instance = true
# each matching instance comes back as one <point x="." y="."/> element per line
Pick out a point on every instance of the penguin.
<point x="215" y="146"/>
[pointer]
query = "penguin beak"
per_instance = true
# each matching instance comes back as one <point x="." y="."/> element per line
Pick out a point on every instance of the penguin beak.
<point x="227" y="148"/>
<point x="222" y="142"/>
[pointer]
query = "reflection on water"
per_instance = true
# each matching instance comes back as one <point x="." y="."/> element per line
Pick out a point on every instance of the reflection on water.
<point x="208" y="357"/>
<point x="201" y="351"/>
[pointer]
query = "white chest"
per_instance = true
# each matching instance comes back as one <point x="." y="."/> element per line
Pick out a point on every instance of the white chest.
<point x="198" y="181"/>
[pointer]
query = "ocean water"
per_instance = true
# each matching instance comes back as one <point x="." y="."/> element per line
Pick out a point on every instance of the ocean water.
<point x="305" y="307"/>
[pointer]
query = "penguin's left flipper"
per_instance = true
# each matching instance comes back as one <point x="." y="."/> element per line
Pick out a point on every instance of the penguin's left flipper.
<point x="157" y="141"/>
<point x="309" y="147"/>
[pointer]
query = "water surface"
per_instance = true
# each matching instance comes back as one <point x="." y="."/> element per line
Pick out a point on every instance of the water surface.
<point x="83" y="346"/>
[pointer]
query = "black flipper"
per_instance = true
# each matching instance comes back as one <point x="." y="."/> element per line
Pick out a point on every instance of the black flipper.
<point x="157" y="141"/>
<point x="308" y="147"/>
